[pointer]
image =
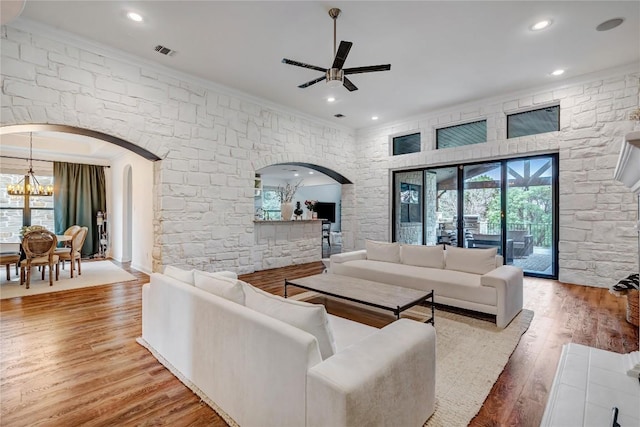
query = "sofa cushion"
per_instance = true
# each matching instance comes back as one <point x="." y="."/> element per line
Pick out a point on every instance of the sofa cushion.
<point x="221" y="286"/>
<point x="383" y="251"/>
<point x="423" y="256"/>
<point x="185" y="276"/>
<point x="445" y="283"/>
<point x="311" y="318"/>
<point x="476" y="261"/>
<point x="347" y="332"/>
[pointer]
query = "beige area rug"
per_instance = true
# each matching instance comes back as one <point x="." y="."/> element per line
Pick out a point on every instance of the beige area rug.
<point x="470" y="355"/>
<point x="94" y="273"/>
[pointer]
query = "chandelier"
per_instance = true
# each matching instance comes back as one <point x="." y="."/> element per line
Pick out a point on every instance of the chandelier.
<point x="29" y="185"/>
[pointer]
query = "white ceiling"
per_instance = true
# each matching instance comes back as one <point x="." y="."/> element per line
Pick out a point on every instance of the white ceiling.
<point x="441" y="53"/>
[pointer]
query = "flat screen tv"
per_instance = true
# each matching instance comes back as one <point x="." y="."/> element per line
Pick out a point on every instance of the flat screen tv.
<point x="326" y="210"/>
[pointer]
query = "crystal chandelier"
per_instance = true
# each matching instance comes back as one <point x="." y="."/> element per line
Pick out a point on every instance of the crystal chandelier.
<point x="29" y="185"/>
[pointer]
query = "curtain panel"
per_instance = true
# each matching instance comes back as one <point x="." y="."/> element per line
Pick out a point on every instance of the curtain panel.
<point x="79" y="193"/>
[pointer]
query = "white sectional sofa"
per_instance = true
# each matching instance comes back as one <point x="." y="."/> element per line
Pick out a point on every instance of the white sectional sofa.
<point x="473" y="279"/>
<point x="238" y="349"/>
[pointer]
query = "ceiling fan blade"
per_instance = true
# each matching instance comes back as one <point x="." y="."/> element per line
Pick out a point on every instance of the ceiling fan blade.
<point x="347" y="83"/>
<point x="303" y="65"/>
<point x="312" y="82"/>
<point x="369" y="69"/>
<point x="341" y="55"/>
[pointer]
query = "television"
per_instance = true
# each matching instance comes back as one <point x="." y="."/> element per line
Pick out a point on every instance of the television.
<point x="326" y="210"/>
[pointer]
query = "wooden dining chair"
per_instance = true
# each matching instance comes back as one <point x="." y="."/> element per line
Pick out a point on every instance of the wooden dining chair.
<point x="39" y="247"/>
<point x="7" y="260"/>
<point x="76" y="253"/>
<point x="67" y="246"/>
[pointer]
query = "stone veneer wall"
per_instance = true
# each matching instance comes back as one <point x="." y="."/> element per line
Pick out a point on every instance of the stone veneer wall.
<point x="283" y="243"/>
<point x="598" y="242"/>
<point x="211" y="139"/>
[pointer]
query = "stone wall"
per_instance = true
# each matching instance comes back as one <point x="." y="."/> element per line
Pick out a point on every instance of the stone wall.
<point x="598" y="242"/>
<point x="210" y="138"/>
<point x="283" y="243"/>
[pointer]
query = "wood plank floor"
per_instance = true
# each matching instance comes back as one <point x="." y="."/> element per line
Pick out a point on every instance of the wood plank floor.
<point x="70" y="358"/>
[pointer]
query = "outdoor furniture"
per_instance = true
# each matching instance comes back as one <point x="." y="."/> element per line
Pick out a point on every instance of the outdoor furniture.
<point x="522" y="242"/>
<point x="483" y="241"/>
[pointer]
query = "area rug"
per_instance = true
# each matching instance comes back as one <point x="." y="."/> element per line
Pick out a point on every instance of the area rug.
<point x="470" y="355"/>
<point x="94" y="273"/>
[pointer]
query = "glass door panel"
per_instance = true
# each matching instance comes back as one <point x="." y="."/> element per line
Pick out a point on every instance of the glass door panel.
<point x="409" y="194"/>
<point x="530" y="213"/>
<point x="444" y="202"/>
<point x="482" y="208"/>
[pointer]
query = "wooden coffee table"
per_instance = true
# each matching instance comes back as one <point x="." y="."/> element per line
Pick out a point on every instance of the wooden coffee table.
<point x="380" y="295"/>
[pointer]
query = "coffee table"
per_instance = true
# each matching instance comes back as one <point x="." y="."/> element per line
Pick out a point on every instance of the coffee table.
<point x="380" y="295"/>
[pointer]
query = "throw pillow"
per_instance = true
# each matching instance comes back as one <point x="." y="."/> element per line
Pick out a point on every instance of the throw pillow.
<point x="382" y="251"/>
<point x="185" y="276"/>
<point x="311" y="318"/>
<point x="221" y="286"/>
<point x="423" y="256"/>
<point x="223" y="274"/>
<point x="476" y="261"/>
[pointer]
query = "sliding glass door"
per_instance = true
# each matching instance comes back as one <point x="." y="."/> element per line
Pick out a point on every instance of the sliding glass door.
<point x="507" y="204"/>
<point x="482" y="208"/>
<point x="530" y="214"/>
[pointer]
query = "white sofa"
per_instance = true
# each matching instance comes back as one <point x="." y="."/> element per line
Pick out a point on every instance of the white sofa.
<point x="256" y="370"/>
<point x="473" y="279"/>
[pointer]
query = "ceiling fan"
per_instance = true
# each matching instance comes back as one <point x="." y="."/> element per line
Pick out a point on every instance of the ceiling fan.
<point x="336" y="74"/>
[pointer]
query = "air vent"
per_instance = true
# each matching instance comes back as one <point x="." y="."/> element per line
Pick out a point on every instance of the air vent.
<point x="164" y="50"/>
<point x="339" y="115"/>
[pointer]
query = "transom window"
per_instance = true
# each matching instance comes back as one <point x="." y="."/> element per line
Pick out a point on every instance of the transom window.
<point x="461" y="135"/>
<point x="533" y="122"/>
<point x="406" y="144"/>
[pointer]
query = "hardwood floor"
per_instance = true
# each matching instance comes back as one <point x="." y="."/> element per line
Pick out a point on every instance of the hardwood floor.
<point x="70" y="358"/>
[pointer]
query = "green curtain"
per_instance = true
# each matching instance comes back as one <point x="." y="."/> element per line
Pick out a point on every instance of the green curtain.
<point x="79" y="193"/>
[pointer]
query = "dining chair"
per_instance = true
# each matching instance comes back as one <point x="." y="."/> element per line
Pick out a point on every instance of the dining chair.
<point x="67" y="246"/>
<point x="76" y="252"/>
<point x="39" y="247"/>
<point x="7" y="259"/>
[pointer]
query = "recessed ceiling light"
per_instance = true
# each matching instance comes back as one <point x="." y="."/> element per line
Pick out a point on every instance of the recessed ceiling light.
<point x="310" y="172"/>
<point x="330" y="99"/>
<point x="374" y="118"/>
<point x="610" y="24"/>
<point x="296" y="174"/>
<point x="541" y="25"/>
<point x="136" y="17"/>
<point x="558" y="72"/>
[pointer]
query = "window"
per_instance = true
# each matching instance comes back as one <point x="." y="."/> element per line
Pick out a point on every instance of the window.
<point x="533" y="122"/>
<point x="410" y="208"/>
<point x="460" y="135"/>
<point x="406" y="144"/>
<point x="270" y="202"/>
<point x="14" y="214"/>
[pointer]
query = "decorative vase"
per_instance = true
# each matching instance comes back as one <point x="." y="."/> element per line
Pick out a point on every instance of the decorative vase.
<point x="286" y="210"/>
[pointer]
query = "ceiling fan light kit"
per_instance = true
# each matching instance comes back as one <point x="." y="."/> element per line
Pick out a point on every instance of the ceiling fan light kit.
<point x="336" y="75"/>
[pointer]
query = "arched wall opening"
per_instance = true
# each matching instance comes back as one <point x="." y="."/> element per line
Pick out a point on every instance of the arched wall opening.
<point x="335" y="196"/>
<point x="129" y="172"/>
